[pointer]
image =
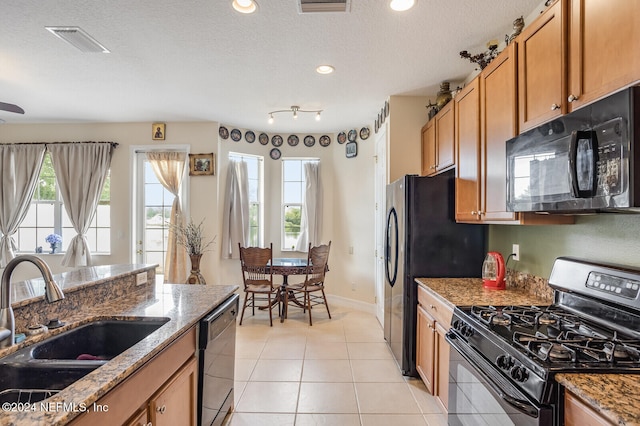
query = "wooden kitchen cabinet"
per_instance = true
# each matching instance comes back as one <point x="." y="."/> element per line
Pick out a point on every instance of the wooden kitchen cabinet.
<point x="542" y="68"/>
<point x="169" y="379"/>
<point x="604" y="41"/>
<point x="467" y="137"/>
<point x="425" y="349"/>
<point x="432" y="357"/>
<point x="429" y="148"/>
<point x="578" y="413"/>
<point x="438" y="143"/>
<point x="175" y="402"/>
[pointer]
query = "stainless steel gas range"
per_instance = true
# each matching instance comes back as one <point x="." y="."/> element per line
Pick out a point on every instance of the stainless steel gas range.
<point x="504" y="358"/>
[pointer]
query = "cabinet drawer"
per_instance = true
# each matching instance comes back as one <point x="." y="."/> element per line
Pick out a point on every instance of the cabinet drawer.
<point x="436" y="308"/>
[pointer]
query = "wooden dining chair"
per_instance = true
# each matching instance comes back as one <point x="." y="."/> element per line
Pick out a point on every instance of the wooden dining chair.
<point x="317" y="259"/>
<point x="258" y="280"/>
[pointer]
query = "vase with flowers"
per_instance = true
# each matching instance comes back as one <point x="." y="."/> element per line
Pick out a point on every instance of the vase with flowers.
<point x="191" y="237"/>
<point x="55" y="242"/>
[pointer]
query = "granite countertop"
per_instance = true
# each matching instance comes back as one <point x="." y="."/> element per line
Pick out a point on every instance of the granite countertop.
<point x="469" y="291"/>
<point x="183" y="304"/>
<point x="615" y="396"/>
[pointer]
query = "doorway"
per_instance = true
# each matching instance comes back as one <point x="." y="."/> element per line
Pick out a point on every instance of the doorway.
<point x="380" y="200"/>
<point x="152" y="210"/>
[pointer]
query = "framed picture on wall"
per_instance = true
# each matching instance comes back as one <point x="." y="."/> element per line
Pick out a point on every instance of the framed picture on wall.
<point x="157" y="131"/>
<point x="202" y="164"/>
<point x="351" y="149"/>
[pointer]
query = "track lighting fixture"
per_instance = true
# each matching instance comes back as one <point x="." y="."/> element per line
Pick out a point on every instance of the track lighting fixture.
<point x="295" y="109"/>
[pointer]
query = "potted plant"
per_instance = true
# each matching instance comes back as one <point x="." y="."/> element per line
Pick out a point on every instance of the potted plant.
<point x="191" y="237"/>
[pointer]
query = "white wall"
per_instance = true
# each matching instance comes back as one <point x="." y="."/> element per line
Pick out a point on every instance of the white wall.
<point x="201" y="137"/>
<point x="348" y="210"/>
<point x="348" y="196"/>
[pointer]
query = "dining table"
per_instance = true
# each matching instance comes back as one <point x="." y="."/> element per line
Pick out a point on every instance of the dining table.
<point x="286" y="266"/>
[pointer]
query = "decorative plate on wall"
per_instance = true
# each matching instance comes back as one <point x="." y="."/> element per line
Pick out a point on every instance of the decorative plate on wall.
<point x="223" y="132"/>
<point x="263" y="139"/>
<point x="309" y="140"/>
<point x="292" y="140"/>
<point x="342" y="137"/>
<point x="276" y="140"/>
<point x="236" y="135"/>
<point x="275" y="154"/>
<point x="324" y="140"/>
<point x="386" y="109"/>
<point x="364" y="133"/>
<point x="353" y="134"/>
<point x="249" y="136"/>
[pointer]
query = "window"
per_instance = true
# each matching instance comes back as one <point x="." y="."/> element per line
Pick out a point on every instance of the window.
<point x="293" y="187"/>
<point x="47" y="215"/>
<point x="254" y="175"/>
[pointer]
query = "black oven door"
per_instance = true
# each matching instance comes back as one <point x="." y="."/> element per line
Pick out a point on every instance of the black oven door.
<point x="480" y="395"/>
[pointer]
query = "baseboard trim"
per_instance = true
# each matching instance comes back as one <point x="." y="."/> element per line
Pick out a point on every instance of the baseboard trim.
<point x="369" y="308"/>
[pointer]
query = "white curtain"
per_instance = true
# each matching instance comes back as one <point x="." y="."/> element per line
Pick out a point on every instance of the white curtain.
<point x="81" y="169"/>
<point x="19" y="173"/>
<point x="235" y="226"/>
<point x="311" y="217"/>
<point x="169" y="169"/>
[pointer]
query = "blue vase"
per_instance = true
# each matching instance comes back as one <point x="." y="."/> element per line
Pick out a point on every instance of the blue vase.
<point x="54" y="247"/>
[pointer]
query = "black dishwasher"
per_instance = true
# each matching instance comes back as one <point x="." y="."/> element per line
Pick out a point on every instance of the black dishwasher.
<point x="216" y="362"/>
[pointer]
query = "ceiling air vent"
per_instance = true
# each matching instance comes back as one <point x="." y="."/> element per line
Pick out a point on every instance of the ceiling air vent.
<point x="78" y="38"/>
<point x="313" y="6"/>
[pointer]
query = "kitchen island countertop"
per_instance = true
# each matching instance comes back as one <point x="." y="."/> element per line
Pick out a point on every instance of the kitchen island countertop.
<point x="183" y="304"/>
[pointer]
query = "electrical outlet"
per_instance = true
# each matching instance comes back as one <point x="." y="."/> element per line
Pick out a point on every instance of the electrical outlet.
<point x="515" y="250"/>
<point x="141" y="278"/>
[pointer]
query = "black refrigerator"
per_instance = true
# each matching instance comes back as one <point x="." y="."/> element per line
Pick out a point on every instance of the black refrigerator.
<point x="422" y="239"/>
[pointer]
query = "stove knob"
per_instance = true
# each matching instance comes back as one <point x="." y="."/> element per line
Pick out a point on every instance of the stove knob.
<point x="505" y="362"/>
<point x="457" y="324"/>
<point x="519" y="374"/>
<point x="467" y="331"/>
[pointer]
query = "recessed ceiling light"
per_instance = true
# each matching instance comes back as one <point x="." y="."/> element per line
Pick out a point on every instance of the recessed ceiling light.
<point x="325" y="69"/>
<point x="245" y="6"/>
<point x="402" y="5"/>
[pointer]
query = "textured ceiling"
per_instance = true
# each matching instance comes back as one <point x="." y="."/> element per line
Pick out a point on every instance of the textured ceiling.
<point x="196" y="60"/>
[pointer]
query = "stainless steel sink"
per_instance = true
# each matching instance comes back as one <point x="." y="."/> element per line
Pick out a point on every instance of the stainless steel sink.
<point x="33" y="373"/>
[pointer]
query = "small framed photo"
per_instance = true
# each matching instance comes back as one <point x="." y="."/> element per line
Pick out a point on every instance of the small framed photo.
<point x="202" y="164"/>
<point x="157" y="131"/>
<point x="351" y="149"/>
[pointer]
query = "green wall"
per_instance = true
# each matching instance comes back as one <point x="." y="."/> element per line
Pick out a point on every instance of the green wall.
<point x="608" y="237"/>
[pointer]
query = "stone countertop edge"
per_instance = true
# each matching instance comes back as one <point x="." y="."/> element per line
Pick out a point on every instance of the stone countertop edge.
<point x="28" y="291"/>
<point x="469" y="291"/>
<point x="616" y="397"/>
<point x="183" y="304"/>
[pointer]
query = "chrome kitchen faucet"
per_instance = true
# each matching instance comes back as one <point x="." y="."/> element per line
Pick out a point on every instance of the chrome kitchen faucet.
<point x="53" y="293"/>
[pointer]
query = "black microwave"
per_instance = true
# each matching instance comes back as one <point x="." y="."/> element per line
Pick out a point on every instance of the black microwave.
<point x="583" y="161"/>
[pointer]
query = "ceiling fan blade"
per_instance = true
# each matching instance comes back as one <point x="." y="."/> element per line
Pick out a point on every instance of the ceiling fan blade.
<point x="11" y="108"/>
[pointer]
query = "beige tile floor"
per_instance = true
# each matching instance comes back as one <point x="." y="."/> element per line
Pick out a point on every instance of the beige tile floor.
<point x="337" y="372"/>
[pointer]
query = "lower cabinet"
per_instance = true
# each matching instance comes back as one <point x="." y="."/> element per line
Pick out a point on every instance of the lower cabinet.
<point x="162" y="392"/>
<point x="578" y="413"/>
<point x="432" y="352"/>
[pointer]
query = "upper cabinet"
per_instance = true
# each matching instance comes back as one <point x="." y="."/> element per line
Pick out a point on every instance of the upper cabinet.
<point x="604" y="48"/>
<point x="574" y="53"/>
<point x="467" y="136"/>
<point x="438" y="144"/>
<point x="542" y="68"/>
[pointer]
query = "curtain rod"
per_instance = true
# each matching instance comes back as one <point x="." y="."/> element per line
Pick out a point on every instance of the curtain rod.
<point x="144" y="151"/>
<point x="113" y="144"/>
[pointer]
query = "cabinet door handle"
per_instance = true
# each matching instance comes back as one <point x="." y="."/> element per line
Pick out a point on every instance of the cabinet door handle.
<point x="473" y="212"/>
<point x="572" y="98"/>
<point x="555" y="107"/>
<point x="162" y="409"/>
<point x="432" y="167"/>
<point x="433" y="307"/>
